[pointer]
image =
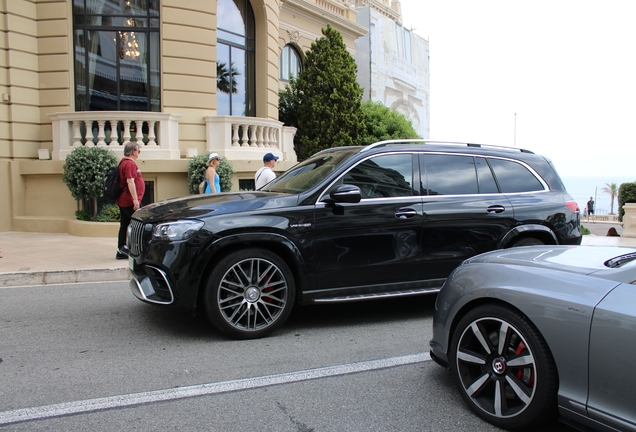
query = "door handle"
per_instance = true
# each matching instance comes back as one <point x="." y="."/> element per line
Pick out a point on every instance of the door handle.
<point x="405" y="213"/>
<point x="495" y="208"/>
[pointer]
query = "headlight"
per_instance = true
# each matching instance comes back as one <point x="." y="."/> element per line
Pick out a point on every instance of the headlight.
<point x="175" y="231"/>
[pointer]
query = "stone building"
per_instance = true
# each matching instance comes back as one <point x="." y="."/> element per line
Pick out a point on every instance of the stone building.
<point x="393" y="63"/>
<point x="181" y="77"/>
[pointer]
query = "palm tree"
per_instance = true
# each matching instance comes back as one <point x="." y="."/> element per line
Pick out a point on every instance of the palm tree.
<point x="225" y="81"/>
<point x="612" y="190"/>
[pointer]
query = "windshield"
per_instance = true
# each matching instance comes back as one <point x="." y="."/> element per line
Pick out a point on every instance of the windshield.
<point x="309" y="173"/>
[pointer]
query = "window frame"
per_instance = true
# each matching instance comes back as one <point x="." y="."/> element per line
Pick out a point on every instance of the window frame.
<point x="247" y="46"/>
<point x="82" y="27"/>
<point x="285" y="73"/>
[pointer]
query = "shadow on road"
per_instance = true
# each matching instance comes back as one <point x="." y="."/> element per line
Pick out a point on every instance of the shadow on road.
<point x="181" y="324"/>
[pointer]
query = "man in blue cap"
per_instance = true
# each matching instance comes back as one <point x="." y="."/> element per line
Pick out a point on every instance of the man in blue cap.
<point x="266" y="173"/>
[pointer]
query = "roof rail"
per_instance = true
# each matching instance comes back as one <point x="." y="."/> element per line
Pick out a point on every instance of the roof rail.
<point x="425" y="141"/>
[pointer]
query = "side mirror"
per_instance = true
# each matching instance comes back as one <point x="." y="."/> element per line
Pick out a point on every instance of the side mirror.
<point x="344" y="194"/>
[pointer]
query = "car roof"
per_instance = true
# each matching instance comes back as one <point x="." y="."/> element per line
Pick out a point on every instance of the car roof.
<point x="431" y="146"/>
<point x="449" y="145"/>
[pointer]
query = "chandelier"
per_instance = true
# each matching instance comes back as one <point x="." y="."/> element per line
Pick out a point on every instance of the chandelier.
<point x="128" y="45"/>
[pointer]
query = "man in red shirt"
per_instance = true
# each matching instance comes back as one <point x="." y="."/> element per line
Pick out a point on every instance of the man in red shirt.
<point x="133" y="188"/>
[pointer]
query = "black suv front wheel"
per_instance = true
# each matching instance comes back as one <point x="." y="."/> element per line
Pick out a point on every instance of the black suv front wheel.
<point x="249" y="294"/>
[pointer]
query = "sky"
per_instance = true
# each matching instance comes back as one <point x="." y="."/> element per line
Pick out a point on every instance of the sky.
<point x="557" y="77"/>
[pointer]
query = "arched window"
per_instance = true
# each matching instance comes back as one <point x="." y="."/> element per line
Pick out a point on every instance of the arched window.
<point x="116" y="55"/>
<point x="290" y="63"/>
<point x="235" y="61"/>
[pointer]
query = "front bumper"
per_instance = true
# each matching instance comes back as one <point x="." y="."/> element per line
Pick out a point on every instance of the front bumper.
<point x="164" y="273"/>
<point x="150" y="284"/>
<point x="438" y="355"/>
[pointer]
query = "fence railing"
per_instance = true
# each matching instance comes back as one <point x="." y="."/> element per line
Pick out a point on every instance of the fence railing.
<point x="157" y="132"/>
<point x="237" y="138"/>
<point x="249" y="138"/>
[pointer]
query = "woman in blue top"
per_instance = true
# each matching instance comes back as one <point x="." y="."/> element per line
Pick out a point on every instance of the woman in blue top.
<point x="212" y="179"/>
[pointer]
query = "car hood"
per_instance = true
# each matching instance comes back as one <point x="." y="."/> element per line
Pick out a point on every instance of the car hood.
<point x="203" y="206"/>
<point x="573" y="259"/>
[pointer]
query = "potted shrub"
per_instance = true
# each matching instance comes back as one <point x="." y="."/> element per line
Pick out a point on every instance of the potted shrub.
<point x="196" y="173"/>
<point x="84" y="173"/>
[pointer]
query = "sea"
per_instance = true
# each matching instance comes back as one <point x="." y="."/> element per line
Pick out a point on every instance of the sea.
<point x="582" y="188"/>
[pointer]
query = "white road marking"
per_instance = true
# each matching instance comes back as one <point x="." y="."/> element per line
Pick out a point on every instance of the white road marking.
<point x="70" y="408"/>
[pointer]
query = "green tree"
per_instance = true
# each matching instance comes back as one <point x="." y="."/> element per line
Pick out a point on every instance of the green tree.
<point x="612" y="190"/>
<point x="325" y="97"/>
<point x="85" y="170"/>
<point x="382" y="123"/>
<point x="196" y="173"/>
<point x="288" y="102"/>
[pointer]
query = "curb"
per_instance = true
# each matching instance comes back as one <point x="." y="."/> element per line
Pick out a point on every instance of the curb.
<point x="60" y="277"/>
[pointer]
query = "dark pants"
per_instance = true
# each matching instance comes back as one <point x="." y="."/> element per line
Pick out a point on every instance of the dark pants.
<point x="126" y="214"/>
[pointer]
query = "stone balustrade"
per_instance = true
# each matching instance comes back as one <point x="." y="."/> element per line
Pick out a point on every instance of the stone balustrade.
<point x="157" y="133"/>
<point x="249" y="138"/>
<point x="338" y="9"/>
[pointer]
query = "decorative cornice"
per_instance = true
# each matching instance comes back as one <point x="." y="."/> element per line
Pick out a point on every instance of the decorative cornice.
<point x="385" y="10"/>
<point x="313" y="12"/>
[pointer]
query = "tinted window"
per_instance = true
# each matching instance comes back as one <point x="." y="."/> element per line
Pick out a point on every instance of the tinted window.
<point x="310" y="172"/>
<point x="514" y="177"/>
<point x="487" y="184"/>
<point x="448" y="175"/>
<point x="383" y="176"/>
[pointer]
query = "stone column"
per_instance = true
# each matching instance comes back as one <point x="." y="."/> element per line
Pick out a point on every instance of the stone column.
<point x="629" y="220"/>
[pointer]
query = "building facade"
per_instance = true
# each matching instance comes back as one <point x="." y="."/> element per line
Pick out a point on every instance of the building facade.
<point x="180" y="77"/>
<point x="393" y="63"/>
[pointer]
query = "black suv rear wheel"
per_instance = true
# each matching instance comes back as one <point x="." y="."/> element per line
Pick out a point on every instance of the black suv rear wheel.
<point x="249" y="294"/>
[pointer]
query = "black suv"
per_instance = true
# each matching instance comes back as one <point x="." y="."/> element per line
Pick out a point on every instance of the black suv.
<point x="349" y="223"/>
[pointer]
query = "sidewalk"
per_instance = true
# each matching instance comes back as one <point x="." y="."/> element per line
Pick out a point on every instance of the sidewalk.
<point x="43" y="258"/>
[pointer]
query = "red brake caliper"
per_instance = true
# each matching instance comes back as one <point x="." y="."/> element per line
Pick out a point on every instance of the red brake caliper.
<point x="526" y="374"/>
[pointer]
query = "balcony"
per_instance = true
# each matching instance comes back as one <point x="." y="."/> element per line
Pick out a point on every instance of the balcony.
<point x="157" y="133"/>
<point x="249" y="138"/>
<point x="237" y="138"/>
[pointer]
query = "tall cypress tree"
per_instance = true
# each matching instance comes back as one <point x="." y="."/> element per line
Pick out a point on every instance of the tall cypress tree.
<point x="327" y="97"/>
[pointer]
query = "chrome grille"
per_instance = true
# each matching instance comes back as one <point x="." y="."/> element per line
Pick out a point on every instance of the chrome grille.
<point x="135" y="237"/>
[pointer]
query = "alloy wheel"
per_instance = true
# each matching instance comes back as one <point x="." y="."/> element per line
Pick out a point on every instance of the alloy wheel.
<point x="496" y="367"/>
<point x="252" y="294"/>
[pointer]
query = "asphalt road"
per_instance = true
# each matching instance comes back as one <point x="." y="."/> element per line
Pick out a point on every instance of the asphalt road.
<point x="91" y="357"/>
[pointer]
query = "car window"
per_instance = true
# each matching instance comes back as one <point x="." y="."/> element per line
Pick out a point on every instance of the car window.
<point x="383" y="176"/>
<point x="310" y="172"/>
<point x="514" y="177"/>
<point x="448" y="174"/>
<point x="487" y="184"/>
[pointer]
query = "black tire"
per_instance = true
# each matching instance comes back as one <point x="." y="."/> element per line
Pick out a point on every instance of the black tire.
<point x="249" y="294"/>
<point x="513" y="384"/>
<point x="528" y="241"/>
